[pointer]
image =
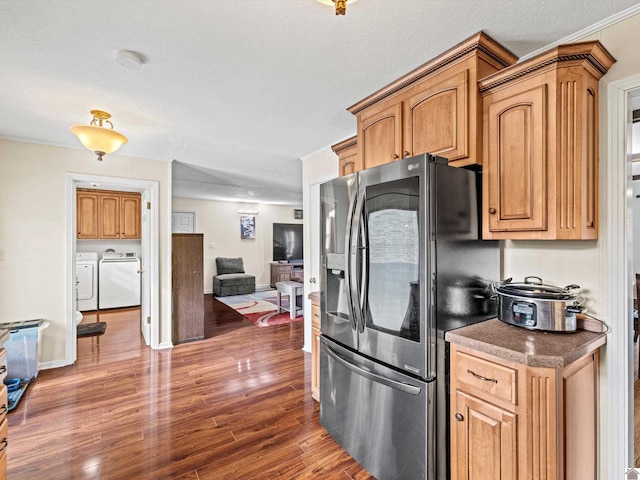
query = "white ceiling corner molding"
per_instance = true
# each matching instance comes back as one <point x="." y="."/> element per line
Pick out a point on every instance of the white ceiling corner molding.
<point x="585" y="32"/>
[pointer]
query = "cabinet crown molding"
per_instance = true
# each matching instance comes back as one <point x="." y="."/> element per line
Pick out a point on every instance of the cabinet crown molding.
<point x="340" y="146"/>
<point x="480" y="42"/>
<point x="592" y="52"/>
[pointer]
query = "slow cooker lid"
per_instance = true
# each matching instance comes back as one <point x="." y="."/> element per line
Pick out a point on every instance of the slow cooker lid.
<point x="539" y="290"/>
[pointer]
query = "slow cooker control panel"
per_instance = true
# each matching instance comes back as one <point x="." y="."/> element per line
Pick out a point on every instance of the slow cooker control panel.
<point x="524" y="314"/>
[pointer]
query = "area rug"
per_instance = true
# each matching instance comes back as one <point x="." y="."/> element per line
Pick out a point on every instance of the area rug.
<point x="261" y="308"/>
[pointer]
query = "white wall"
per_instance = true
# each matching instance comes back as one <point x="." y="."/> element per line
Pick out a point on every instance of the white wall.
<point x="220" y="223"/>
<point x="33" y="276"/>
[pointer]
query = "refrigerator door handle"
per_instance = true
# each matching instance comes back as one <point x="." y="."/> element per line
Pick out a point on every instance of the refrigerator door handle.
<point x="374" y="377"/>
<point x="357" y="266"/>
<point x="347" y="271"/>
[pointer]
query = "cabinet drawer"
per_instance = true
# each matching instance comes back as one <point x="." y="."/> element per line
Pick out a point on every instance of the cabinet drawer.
<point x="488" y="377"/>
<point x="4" y="441"/>
<point x="3" y="364"/>
<point x="4" y="402"/>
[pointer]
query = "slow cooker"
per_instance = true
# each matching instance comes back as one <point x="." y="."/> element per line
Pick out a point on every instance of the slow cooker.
<point x="537" y="306"/>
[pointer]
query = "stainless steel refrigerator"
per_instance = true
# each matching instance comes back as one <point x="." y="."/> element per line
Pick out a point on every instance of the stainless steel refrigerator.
<point x="402" y="263"/>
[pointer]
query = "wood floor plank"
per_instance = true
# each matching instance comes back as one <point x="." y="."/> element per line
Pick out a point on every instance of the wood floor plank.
<point x="236" y="405"/>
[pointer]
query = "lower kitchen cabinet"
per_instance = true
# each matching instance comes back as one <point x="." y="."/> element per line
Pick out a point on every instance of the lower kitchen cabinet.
<point x="4" y="407"/>
<point x="510" y="420"/>
<point x="315" y="351"/>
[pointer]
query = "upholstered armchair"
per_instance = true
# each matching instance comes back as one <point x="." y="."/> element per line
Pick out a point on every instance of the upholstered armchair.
<point x="231" y="278"/>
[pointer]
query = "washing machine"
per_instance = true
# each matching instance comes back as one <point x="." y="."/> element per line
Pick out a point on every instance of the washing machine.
<point x="119" y="275"/>
<point x="87" y="281"/>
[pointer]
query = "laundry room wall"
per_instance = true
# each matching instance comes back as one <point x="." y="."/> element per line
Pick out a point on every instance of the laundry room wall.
<point x="33" y="253"/>
<point x="100" y="246"/>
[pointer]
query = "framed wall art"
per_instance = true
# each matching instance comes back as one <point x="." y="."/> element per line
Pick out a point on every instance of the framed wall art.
<point x="247" y="227"/>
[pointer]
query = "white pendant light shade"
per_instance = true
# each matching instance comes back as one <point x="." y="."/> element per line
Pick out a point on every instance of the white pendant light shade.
<point x="100" y="140"/>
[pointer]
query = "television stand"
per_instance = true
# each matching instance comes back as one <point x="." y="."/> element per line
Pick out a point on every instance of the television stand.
<point x="285" y="272"/>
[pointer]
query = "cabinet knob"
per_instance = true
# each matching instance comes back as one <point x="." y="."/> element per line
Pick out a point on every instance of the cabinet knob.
<point x="395" y="156"/>
<point x="492" y="211"/>
<point x="406" y="154"/>
<point x="459" y="417"/>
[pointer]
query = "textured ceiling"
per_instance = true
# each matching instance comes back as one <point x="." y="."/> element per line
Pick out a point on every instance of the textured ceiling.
<point x="237" y="91"/>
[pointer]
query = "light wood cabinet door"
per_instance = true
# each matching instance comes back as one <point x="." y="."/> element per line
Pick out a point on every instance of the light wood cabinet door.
<point x="347" y="152"/>
<point x="130" y="213"/>
<point x="436" y="118"/>
<point x="109" y="216"/>
<point x="540" y="120"/>
<point x="380" y="135"/>
<point x="485" y="443"/>
<point x="515" y="172"/>
<point x="87" y="206"/>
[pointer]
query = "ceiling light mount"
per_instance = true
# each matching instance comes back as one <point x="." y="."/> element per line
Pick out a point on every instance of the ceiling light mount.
<point x="341" y="5"/>
<point x="97" y="137"/>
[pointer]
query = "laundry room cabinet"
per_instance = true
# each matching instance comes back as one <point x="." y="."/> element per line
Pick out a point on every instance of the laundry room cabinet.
<point x="106" y="214"/>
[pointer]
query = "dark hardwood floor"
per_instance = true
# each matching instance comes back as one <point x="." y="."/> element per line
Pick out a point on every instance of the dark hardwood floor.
<point x="236" y="405"/>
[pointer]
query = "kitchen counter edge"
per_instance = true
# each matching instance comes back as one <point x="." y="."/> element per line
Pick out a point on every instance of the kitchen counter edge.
<point x="527" y="347"/>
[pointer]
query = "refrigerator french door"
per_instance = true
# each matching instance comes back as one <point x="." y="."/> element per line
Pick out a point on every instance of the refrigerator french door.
<point x="378" y="270"/>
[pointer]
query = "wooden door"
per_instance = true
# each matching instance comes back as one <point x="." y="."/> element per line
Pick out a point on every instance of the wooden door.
<point x="436" y="117"/>
<point x="87" y="214"/>
<point x="109" y="215"/>
<point x="515" y="176"/>
<point x="187" y="287"/>
<point x="130" y="215"/>
<point x="380" y="136"/>
<point x="484" y="443"/>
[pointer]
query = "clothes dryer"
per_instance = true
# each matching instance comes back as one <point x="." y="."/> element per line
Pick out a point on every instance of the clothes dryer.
<point x="87" y="281"/>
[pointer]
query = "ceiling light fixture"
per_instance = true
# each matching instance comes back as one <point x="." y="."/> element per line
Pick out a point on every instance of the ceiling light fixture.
<point x="98" y="138"/>
<point x="341" y="5"/>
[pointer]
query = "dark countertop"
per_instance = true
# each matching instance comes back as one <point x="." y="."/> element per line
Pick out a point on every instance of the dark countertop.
<point x="528" y="347"/>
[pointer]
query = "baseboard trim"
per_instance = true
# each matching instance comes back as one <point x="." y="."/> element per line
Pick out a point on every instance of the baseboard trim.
<point x="165" y="345"/>
<point x="52" y="364"/>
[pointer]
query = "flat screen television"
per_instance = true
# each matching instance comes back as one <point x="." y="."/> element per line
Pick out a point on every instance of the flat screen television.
<point x="287" y="242"/>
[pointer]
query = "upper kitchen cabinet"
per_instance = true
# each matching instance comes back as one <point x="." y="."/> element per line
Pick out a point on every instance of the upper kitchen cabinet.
<point x="347" y="152"/>
<point x="540" y="166"/>
<point x="107" y="214"/>
<point x="434" y="109"/>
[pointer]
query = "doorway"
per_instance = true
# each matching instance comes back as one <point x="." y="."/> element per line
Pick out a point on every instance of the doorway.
<point x="149" y="250"/>
<point x="616" y="248"/>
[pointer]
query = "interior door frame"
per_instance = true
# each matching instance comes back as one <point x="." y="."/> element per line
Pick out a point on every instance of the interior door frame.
<point x="615" y="245"/>
<point x="151" y="189"/>
<point x="312" y="214"/>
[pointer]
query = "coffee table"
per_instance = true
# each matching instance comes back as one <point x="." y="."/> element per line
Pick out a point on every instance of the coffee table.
<point x="292" y="289"/>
